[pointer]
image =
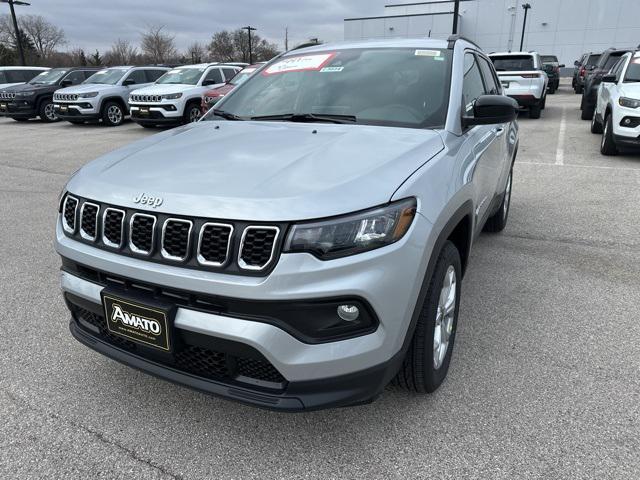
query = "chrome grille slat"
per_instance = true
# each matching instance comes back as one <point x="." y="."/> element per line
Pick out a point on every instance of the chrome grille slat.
<point x="108" y="229"/>
<point x="146" y="98"/>
<point x="173" y="249"/>
<point x="209" y="250"/>
<point x="69" y="210"/>
<point x="257" y="257"/>
<point x="136" y="235"/>
<point x="7" y="96"/>
<point x="89" y="217"/>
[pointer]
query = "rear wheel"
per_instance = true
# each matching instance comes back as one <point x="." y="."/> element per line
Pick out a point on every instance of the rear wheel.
<point x="47" y="112"/>
<point x="112" y="114"/>
<point x="596" y="126"/>
<point x="535" y="110"/>
<point x="498" y="220"/>
<point x="608" y="144"/>
<point x="427" y="361"/>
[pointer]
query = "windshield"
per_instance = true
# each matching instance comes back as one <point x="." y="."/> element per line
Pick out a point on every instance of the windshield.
<point x="241" y="77"/>
<point x="49" y="77"/>
<point x="393" y="87"/>
<point x="110" y="76"/>
<point x="3" y="78"/>
<point x="513" y="63"/>
<point x="633" y="70"/>
<point x="185" y="76"/>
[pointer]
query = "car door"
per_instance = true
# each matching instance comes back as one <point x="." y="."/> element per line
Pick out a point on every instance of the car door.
<point x="73" y="78"/>
<point x="139" y="80"/>
<point x="213" y="78"/>
<point x="486" y="140"/>
<point x="607" y="90"/>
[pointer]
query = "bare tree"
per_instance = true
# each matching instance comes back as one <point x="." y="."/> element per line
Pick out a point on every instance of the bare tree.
<point x="46" y="37"/>
<point x="196" y="53"/>
<point x="7" y="34"/>
<point x="265" y="51"/>
<point x="221" y="48"/>
<point x="121" y="53"/>
<point x="158" y="46"/>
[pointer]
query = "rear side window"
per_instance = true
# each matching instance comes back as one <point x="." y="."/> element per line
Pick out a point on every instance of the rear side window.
<point x="153" y="75"/>
<point x="612" y="60"/>
<point x="229" y="73"/>
<point x="593" y="60"/>
<point x="472" y="86"/>
<point x="513" y="63"/>
<point x="491" y="83"/>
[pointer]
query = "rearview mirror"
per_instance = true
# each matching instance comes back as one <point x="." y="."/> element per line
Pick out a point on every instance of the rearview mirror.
<point x="609" y="78"/>
<point x="492" y="109"/>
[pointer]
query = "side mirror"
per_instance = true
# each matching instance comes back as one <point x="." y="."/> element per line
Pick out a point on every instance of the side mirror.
<point x="208" y="82"/>
<point x="562" y="65"/>
<point x="548" y="68"/>
<point x="491" y="110"/>
<point x="129" y="81"/>
<point x="576" y="63"/>
<point x="66" y="83"/>
<point x="609" y="78"/>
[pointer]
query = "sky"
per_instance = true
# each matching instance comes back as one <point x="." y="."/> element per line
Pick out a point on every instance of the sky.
<point x="95" y="24"/>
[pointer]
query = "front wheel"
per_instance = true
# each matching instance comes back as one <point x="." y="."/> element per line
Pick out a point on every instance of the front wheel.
<point x="426" y="363"/>
<point x="47" y="112"/>
<point x="596" y="126"/>
<point x="608" y="144"/>
<point x="112" y="114"/>
<point x="192" y="113"/>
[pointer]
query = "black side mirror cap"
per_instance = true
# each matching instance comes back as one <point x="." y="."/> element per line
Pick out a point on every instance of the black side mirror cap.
<point x="609" y="79"/>
<point x="66" y="83"/>
<point x="491" y="110"/>
<point x="562" y="65"/>
<point x="129" y="81"/>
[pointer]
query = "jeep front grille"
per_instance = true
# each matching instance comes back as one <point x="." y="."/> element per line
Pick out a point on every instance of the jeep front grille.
<point x="146" y="98"/>
<point x="65" y="97"/>
<point x="7" y="96"/>
<point x="198" y="243"/>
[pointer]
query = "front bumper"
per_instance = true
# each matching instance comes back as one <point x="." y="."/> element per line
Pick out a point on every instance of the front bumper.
<point x="155" y="114"/>
<point x="318" y="375"/>
<point x="19" y="109"/>
<point x="81" y="110"/>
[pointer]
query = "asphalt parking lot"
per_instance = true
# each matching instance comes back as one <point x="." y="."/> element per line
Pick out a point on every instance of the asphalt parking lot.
<point x="544" y="382"/>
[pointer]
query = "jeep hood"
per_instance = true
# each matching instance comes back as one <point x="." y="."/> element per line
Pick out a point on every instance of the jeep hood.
<point x="89" y="87"/>
<point x="165" y="89"/>
<point x="260" y="171"/>
<point x="26" y="87"/>
<point x="631" y="90"/>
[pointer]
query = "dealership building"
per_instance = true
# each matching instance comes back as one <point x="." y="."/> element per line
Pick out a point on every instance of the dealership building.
<point x="565" y="28"/>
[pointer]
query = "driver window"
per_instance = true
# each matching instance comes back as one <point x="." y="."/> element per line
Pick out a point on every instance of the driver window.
<point x="214" y="76"/>
<point x="618" y="67"/>
<point x="137" y="76"/>
<point x="472" y="86"/>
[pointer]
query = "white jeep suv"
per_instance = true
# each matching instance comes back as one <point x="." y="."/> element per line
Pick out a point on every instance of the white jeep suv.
<point x="177" y="96"/>
<point x="617" y="114"/>
<point x="523" y="79"/>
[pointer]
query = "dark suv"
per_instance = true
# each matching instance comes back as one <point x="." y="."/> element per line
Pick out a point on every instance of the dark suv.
<point x="552" y="67"/>
<point x="587" y="62"/>
<point x="35" y="99"/>
<point x="593" y="79"/>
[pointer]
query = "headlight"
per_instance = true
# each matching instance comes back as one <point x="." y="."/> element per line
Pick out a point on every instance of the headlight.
<point x="629" y="102"/>
<point x="355" y="233"/>
<point x="172" y="96"/>
<point x="88" y="95"/>
<point x="25" y="94"/>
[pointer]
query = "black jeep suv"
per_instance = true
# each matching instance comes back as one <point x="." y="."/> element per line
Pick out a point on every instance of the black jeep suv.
<point x="594" y="78"/>
<point x="35" y="99"/>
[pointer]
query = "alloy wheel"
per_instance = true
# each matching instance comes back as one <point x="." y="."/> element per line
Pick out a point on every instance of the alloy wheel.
<point x="194" y="115"/>
<point x="114" y="113"/>
<point x="444" y="317"/>
<point x="50" y="112"/>
<point x="507" y="197"/>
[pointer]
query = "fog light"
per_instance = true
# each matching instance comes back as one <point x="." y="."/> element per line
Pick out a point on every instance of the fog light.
<point x="348" y="313"/>
<point x="627" y="121"/>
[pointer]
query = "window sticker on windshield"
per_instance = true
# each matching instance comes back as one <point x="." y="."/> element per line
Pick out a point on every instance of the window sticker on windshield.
<point x="248" y="70"/>
<point x="299" y="64"/>
<point x="174" y="71"/>
<point x="427" y="53"/>
<point x="332" y="69"/>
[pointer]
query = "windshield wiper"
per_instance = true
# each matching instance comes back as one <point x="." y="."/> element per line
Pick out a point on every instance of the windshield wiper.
<point x="227" y="115"/>
<point x="308" y="117"/>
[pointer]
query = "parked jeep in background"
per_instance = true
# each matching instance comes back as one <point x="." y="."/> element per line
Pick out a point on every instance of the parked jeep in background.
<point x="211" y="97"/>
<point x="35" y="99"/>
<point x="10" y="76"/>
<point x="103" y="96"/>
<point x="587" y="62"/>
<point x="592" y="81"/>
<point x="176" y="97"/>
<point x="552" y="67"/>
<point x="523" y="79"/>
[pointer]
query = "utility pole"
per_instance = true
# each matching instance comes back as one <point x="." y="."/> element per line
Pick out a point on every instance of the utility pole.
<point x="15" y="26"/>
<point x="286" y="39"/>
<point x="250" y="29"/>
<point x="526" y="7"/>
<point x="456" y="12"/>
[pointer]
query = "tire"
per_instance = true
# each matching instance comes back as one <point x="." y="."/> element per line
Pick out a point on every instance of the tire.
<point x="534" y="110"/>
<point x="498" y="220"/>
<point x="46" y="112"/>
<point x="112" y="114"/>
<point x="543" y="105"/>
<point x="20" y="119"/>
<point x="596" y="126"/>
<point x="587" y="110"/>
<point x="579" y="90"/>
<point x="608" y="145"/>
<point x="192" y="113"/>
<point x="552" y="91"/>
<point x="421" y="370"/>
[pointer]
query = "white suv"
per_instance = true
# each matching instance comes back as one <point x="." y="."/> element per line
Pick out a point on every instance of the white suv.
<point x="103" y="96"/>
<point x="617" y="114"/>
<point x="177" y="96"/>
<point x="11" y="76"/>
<point x="523" y="79"/>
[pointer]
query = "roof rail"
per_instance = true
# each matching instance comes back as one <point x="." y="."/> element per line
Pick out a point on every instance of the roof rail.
<point x="454" y="38"/>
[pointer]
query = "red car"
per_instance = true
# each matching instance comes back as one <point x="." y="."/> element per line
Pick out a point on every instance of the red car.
<point x="211" y="97"/>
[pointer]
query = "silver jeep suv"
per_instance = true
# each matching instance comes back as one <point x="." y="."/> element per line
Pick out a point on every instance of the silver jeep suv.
<point x="303" y="245"/>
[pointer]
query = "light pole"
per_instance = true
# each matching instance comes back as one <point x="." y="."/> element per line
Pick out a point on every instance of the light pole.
<point x="456" y="12"/>
<point x="249" y="30"/>
<point x="526" y="7"/>
<point x="15" y="25"/>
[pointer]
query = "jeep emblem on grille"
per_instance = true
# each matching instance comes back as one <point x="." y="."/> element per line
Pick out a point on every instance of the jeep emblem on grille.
<point x="145" y="199"/>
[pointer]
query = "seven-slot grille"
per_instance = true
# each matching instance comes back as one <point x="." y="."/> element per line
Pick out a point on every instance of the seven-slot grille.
<point x="191" y="242"/>
<point x="65" y="96"/>
<point x="7" y="95"/>
<point x="145" y="98"/>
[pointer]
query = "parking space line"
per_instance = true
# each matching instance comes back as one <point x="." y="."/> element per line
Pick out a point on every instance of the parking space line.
<point x="561" y="135"/>
<point x="579" y="166"/>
